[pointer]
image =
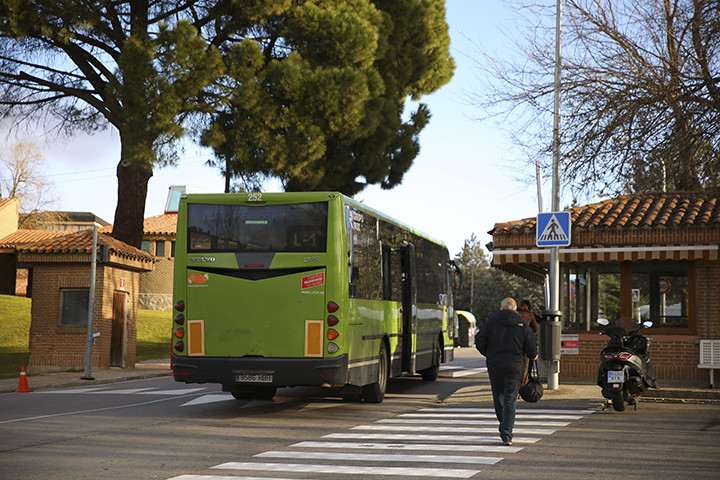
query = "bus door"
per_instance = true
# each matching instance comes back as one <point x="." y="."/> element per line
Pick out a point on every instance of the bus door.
<point x="409" y="309"/>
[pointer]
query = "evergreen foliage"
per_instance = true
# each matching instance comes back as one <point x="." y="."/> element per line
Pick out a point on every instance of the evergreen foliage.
<point x="319" y="100"/>
<point x="309" y="91"/>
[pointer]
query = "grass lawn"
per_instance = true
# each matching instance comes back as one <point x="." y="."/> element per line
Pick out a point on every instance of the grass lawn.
<point x="153" y="338"/>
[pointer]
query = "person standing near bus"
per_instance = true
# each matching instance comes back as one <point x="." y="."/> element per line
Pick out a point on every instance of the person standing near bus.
<point x="507" y="342"/>
<point x="525" y="311"/>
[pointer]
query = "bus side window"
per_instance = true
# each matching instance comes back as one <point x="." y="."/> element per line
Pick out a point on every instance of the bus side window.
<point x="387" y="272"/>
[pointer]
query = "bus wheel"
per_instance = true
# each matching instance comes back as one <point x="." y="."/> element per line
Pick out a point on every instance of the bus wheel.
<point x="431" y="374"/>
<point x="375" y="392"/>
<point x="264" y="393"/>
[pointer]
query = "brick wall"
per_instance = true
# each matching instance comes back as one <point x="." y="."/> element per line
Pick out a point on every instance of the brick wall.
<point x="54" y="347"/>
<point x="675" y="358"/>
<point x="160" y="280"/>
<point x="707" y="300"/>
<point x="156" y="286"/>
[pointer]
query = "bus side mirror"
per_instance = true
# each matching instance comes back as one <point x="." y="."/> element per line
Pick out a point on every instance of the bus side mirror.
<point x="456" y="275"/>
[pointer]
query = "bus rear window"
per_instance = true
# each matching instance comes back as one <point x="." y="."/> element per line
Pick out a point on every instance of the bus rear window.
<point x="268" y="228"/>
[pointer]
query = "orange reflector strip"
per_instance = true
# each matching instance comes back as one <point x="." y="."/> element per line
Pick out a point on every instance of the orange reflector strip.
<point x="196" y="337"/>
<point x="313" y="338"/>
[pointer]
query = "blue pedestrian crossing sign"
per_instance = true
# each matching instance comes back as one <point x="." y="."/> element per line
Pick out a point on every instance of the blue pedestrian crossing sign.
<point x="553" y="229"/>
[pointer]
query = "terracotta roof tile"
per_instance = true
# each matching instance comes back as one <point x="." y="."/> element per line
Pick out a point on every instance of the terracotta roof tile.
<point x="81" y="242"/>
<point x="164" y="224"/>
<point x="24" y="236"/>
<point x="637" y="211"/>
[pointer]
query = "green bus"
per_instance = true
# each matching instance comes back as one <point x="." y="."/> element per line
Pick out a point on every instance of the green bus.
<point x="306" y="289"/>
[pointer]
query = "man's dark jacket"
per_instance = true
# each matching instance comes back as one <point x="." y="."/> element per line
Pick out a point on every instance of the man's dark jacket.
<point x="507" y="342"/>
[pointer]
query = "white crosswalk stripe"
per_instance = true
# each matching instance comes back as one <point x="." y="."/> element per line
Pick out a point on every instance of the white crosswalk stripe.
<point x="370" y="457"/>
<point x="457" y="372"/>
<point x="411" y="437"/>
<point x="434" y="428"/>
<point x="350" y="469"/>
<point x="126" y="391"/>
<point x="457" y="447"/>
<point x="461" y="421"/>
<point x="405" y="445"/>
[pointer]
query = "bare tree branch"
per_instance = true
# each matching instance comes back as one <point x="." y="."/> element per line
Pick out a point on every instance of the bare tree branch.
<point x="639" y="92"/>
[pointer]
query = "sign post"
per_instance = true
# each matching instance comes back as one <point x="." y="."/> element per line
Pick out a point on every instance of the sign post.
<point x="90" y="340"/>
<point x="553" y="230"/>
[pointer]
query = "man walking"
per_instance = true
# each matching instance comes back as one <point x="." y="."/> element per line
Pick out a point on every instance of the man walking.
<point x="507" y="342"/>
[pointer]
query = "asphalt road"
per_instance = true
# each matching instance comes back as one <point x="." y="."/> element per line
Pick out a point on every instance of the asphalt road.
<point x="158" y="429"/>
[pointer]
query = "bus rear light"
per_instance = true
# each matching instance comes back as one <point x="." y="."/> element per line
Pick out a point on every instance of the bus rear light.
<point x="180" y="333"/>
<point x="332" y="347"/>
<point x="180" y="306"/>
<point x="179" y="346"/>
<point x="332" y="320"/>
<point x="332" y="306"/>
<point x="179" y="318"/>
<point x="332" y="334"/>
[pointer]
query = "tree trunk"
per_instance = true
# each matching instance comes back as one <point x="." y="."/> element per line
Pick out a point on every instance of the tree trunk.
<point x="130" y="211"/>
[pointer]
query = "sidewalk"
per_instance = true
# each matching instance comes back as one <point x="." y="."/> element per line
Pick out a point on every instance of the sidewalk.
<point x="576" y="394"/>
<point x="572" y="393"/>
<point x="152" y="368"/>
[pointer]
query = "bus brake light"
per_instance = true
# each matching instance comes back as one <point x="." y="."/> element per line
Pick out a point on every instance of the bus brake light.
<point x="332" y="307"/>
<point x="332" y="320"/>
<point x="180" y="306"/>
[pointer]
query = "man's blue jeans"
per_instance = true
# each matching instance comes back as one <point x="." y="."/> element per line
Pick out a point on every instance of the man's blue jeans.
<point x="505" y="392"/>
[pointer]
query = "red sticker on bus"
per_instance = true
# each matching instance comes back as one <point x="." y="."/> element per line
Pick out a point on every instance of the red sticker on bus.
<point x="198" y="278"/>
<point x="314" y="280"/>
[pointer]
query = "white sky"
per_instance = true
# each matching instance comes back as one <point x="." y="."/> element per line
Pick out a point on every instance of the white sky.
<point x="461" y="183"/>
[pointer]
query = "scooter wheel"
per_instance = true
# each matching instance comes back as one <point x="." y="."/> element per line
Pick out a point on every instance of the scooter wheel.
<point x="618" y="400"/>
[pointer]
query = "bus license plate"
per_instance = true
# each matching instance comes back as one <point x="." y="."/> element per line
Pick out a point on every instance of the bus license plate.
<point x="254" y="377"/>
<point x="616" y="376"/>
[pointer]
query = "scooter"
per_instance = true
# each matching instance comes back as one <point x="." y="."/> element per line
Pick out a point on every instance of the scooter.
<point x="625" y="370"/>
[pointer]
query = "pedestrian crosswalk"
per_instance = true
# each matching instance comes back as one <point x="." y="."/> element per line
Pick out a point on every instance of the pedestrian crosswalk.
<point x="434" y="442"/>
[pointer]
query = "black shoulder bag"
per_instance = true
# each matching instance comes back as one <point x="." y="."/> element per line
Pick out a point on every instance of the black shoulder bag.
<point x="532" y="391"/>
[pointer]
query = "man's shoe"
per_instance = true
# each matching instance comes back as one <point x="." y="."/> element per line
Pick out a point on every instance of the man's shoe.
<point x="507" y="443"/>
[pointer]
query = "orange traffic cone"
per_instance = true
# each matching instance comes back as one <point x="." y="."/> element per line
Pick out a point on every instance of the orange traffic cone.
<point x="23" y="384"/>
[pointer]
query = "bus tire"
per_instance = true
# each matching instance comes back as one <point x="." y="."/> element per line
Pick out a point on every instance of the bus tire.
<point x="431" y="374"/>
<point x="375" y="392"/>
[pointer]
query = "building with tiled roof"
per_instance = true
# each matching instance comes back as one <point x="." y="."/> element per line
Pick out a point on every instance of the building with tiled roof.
<point x="648" y="256"/>
<point x="164" y="224"/>
<point x="58" y="247"/>
<point x="14" y="281"/>
<point x="159" y="240"/>
<point x="25" y="236"/>
<point x="59" y="286"/>
<point x="53" y="267"/>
